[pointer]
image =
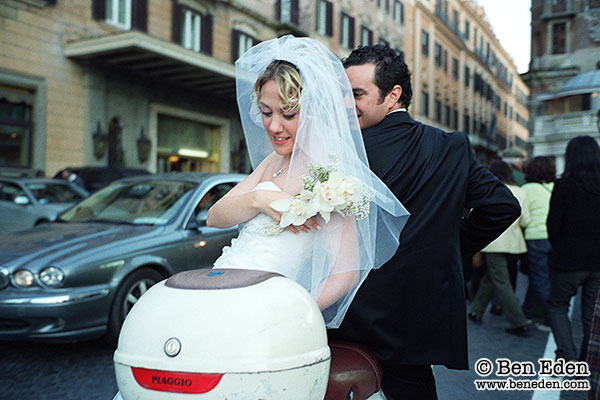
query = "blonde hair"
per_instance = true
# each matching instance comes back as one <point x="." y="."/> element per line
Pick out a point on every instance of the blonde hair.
<point x="287" y="79"/>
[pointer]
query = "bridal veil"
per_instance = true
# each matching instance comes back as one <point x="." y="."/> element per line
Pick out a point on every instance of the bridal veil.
<point x="328" y="134"/>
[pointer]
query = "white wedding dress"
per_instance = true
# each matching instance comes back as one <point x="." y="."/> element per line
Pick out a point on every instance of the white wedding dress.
<point x="255" y="248"/>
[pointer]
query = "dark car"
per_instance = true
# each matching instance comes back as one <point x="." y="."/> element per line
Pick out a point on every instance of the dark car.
<point x="95" y="178"/>
<point x="78" y="277"/>
<point x="28" y="202"/>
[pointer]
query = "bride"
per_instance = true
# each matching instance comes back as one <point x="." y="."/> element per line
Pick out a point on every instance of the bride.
<point x="298" y="115"/>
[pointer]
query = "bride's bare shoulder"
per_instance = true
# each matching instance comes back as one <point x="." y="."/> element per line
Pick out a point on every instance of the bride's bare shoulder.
<point x="267" y="163"/>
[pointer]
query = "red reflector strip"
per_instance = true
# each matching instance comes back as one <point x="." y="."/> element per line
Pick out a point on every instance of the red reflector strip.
<point x="175" y="382"/>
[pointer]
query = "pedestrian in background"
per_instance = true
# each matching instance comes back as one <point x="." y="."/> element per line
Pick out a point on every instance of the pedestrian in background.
<point x="539" y="174"/>
<point x="515" y="158"/>
<point x="502" y="256"/>
<point x="70" y="176"/>
<point x="574" y="231"/>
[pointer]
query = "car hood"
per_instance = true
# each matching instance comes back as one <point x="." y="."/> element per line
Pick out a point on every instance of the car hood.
<point x="53" y="209"/>
<point x="72" y="242"/>
<point x="56" y="207"/>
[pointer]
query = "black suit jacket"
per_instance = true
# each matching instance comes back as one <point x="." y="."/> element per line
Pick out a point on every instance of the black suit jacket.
<point x="574" y="227"/>
<point x="412" y="310"/>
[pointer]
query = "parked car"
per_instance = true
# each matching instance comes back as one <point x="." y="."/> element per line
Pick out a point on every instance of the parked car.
<point x="78" y="277"/>
<point x="95" y="178"/>
<point x="28" y="202"/>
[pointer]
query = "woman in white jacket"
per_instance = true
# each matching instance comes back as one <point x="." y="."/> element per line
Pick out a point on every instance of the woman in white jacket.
<point x="499" y="256"/>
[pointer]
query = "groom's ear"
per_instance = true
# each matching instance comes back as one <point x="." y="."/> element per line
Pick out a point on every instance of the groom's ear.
<point x="393" y="96"/>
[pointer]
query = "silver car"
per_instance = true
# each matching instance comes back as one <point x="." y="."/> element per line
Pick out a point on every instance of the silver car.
<point x="78" y="277"/>
<point x="27" y="202"/>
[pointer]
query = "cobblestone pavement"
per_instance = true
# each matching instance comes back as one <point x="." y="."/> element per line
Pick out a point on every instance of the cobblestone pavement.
<point x="84" y="371"/>
<point x="46" y="371"/>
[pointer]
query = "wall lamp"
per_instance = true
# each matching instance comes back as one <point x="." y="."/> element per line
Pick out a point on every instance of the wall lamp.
<point x="100" y="140"/>
<point x="144" y="145"/>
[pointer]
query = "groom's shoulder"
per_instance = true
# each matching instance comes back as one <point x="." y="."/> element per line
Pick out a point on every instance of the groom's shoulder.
<point x="402" y="121"/>
<point x="434" y="133"/>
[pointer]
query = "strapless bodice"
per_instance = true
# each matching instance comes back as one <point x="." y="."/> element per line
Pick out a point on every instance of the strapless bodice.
<point x="255" y="248"/>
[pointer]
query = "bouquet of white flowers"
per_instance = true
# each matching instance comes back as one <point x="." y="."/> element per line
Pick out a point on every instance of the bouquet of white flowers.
<point x="325" y="190"/>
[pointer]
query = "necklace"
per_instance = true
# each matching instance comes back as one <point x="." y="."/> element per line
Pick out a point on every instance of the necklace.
<point x="276" y="174"/>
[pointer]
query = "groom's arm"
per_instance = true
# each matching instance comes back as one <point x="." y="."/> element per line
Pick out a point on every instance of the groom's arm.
<point x="493" y="208"/>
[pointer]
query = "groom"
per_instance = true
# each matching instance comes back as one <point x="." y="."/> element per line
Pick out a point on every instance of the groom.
<point x="411" y="311"/>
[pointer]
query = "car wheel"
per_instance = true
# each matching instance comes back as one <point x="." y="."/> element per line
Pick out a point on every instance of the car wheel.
<point x="131" y="289"/>
<point x="41" y="222"/>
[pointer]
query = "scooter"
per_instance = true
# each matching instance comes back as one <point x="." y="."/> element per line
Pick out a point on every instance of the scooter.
<point x="236" y="334"/>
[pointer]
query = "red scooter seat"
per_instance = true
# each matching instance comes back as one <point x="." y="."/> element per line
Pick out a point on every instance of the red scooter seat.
<point x="353" y="370"/>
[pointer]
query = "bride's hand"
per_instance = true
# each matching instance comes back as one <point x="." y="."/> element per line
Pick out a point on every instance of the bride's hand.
<point x="265" y="197"/>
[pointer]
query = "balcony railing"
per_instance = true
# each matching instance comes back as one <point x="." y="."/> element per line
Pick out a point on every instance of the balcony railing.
<point x="579" y="123"/>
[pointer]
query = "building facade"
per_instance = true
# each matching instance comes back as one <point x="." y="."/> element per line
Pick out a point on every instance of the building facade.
<point x="463" y="79"/>
<point x="563" y="74"/>
<point x="151" y="83"/>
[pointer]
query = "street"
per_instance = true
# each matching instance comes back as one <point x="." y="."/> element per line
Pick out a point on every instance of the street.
<point x="77" y="371"/>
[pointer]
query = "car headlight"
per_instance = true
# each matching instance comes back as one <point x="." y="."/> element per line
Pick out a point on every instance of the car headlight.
<point x="23" y="278"/>
<point x="52" y="276"/>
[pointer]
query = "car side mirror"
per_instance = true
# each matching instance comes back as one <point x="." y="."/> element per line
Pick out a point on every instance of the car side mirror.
<point x="21" y="200"/>
<point x="201" y="217"/>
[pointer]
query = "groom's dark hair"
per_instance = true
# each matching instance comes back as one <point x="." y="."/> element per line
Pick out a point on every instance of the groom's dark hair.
<point x="390" y="69"/>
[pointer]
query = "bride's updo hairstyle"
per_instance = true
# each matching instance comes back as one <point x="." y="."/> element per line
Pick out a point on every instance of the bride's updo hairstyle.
<point x="287" y="79"/>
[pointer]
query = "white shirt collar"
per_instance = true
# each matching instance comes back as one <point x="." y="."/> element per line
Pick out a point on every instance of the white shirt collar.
<point x="396" y="110"/>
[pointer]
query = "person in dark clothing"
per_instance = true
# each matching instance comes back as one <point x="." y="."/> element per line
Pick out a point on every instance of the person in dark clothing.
<point x="411" y="313"/>
<point x="70" y="176"/>
<point x="574" y="232"/>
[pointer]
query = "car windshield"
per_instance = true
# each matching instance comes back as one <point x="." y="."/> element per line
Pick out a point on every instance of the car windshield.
<point x="148" y="202"/>
<point x="49" y="193"/>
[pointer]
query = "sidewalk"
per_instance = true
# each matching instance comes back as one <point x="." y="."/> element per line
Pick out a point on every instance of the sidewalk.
<point x="490" y="341"/>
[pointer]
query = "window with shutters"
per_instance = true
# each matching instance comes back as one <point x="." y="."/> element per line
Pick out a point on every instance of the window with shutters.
<point x="455" y="68"/>
<point x="124" y="14"/>
<point x="347" y="31"/>
<point x="287" y="11"/>
<point x="437" y="110"/>
<point x="241" y="42"/>
<point x="445" y="61"/>
<point x="325" y="17"/>
<point x="118" y="13"/>
<point x="425" y="103"/>
<point x="245" y="42"/>
<point x="192" y="23"/>
<point x="398" y="12"/>
<point x="455" y="119"/>
<point x="425" y="42"/>
<point x="366" y="36"/>
<point x="447" y="115"/>
<point x="437" y="52"/>
<point x="192" y="29"/>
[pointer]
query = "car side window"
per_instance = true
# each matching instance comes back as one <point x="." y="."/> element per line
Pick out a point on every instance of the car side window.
<point x="206" y="202"/>
<point x="214" y="194"/>
<point x="53" y="193"/>
<point x="8" y="191"/>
